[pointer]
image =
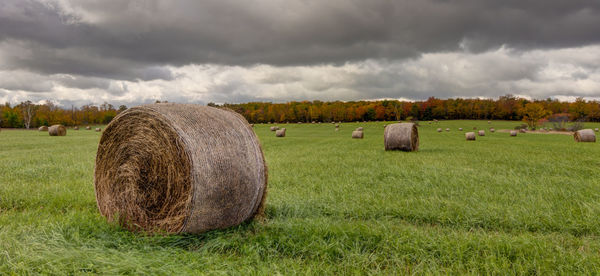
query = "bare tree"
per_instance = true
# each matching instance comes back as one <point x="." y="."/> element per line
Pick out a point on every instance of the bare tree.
<point x="28" y="110"/>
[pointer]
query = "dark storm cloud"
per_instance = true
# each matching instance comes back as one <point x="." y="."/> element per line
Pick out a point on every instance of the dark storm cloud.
<point x="109" y="38"/>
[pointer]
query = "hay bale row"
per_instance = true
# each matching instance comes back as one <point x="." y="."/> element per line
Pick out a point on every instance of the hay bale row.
<point x="57" y="130"/>
<point x="179" y="168"/>
<point x="402" y="136"/>
<point x="585" y="135"/>
<point x="280" y="132"/>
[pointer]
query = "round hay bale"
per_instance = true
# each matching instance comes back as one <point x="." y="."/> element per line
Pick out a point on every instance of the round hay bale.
<point x="280" y="132"/>
<point x="470" y="136"/>
<point x="481" y="133"/>
<point x="439" y="130"/>
<point x="402" y="136"/>
<point x="179" y="168"/>
<point x="98" y="129"/>
<point x="460" y="129"/>
<point x="359" y="128"/>
<point x="513" y="133"/>
<point x="522" y="130"/>
<point x="76" y="128"/>
<point x="57" y="130"/>
<point x="585" y="135"/>
<point x="492" y="130"/>
<point x="274" y="128"/>
<point x="357" y="134"/>
<point x="596" y="129"/>
<point x="489" y="122"/>
<point x="43" y="128"/>
<point x="447" y="130"/>
<point x="88" y="127"/>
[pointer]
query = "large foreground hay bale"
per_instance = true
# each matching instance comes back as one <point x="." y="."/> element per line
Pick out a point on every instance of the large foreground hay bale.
<point x="481" y="133"/>
<point x="43" y="128"/>
<point x="470" y="136"/>
<point x="404" y="136"/>
<point x="280" y="132"/>
<point x="57" y="130"/>
<point x="357" y="134"/>
<point x="585" y="135"/>
<point x="179" y="168"/>
<point x="513" y="133"/>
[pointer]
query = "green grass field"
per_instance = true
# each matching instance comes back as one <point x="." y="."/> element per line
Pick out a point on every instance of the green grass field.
<point x="528" y="205"/>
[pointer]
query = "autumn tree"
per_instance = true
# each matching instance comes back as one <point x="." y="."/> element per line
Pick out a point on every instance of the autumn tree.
<point x="532" y="113"/>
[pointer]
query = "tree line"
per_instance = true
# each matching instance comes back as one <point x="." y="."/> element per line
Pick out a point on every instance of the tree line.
<point x="508" y="107"/>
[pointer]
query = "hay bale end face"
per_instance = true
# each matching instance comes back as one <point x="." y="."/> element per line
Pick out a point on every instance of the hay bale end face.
<point x="179" y="168"/>
<point x="57" y="130"/>
<point x="43" y="128"/>
<point x="402" y="136"/>
<point x="585" y="135"/>
<point x="357" y="134"/>
<point x="481" y="133"/>
<point x="470" y="136"/>
<point x="513" y="133"/>
<point x="280" y="132"/>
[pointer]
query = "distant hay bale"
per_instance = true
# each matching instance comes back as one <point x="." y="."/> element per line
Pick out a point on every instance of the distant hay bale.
<point x="439" y="130"/>
<point x="585" y="135"/>
<point x="98" y="129"/>
<point x="359" y="128"/>
<point x="470" y="136"/>
<point x="481" y="133"/>
<point x="489" y="122"/>
<point x="179" y="168"/>
<point x="460" y="129"/>
<point x="57" y="130"/>
<point x="43" y="128"/>
<point x="401" y="136"/>
<point x="596" y="129"/>
<point x="75" y="128"/>
<point x="522" y="130"/>
<point x="88" y="127"/>
<point x="337" y="125"/>
<point x="447" y="129"/>
<point x="357" y="134"/>
<point x="513" y="133"/>
<point x="274" y="128"/>
<point x="492" y="130"/>
<point x="280" y="132"/>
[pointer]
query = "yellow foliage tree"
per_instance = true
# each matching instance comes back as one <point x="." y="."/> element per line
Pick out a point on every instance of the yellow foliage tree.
<point x="532" y="113"/>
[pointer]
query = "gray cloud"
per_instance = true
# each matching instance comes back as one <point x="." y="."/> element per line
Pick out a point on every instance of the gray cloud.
<point x="230" y="51"/>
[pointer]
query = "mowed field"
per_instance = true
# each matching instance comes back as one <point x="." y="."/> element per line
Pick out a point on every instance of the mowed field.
<point x="528" y="204"/>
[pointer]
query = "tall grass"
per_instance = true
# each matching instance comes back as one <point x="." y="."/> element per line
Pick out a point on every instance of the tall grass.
<point x="526" y="204"/>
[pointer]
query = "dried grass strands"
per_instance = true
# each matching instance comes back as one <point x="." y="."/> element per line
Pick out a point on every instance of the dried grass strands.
<point x="43" y="128"/>
<point x="403" y="136"/>
<point x="179" y="168"/>
<point x="585" y="135"/>
<point x="357" y="134"/>
<point x="57" y="130"/>
<point x="280" y="132"/>
<point x="470" y="136"/>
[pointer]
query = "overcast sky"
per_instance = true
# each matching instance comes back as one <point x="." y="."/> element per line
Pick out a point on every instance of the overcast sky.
<point x="133" y="52"/>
